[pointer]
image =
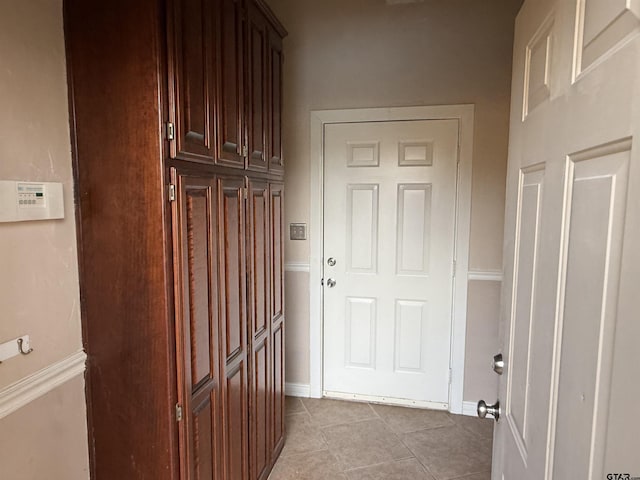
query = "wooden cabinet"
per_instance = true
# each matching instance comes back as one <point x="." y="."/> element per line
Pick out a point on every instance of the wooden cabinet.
<point x="274" y="101"/>
<point x="190" y="66"/>
<point x="257" y="89"/>
<point x="196" y="325"/>
<point x="276" y="232"/>
<point x="176" y="136"/>
<point x="230" y="114"/>
<point x="233" y="292"/>
<point x="259" y="334"/>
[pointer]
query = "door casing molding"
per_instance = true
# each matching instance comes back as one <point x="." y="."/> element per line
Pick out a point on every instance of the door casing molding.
<point x="464" y="114"/>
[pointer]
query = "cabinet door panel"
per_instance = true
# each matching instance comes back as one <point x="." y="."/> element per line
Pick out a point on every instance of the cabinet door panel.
<point x="276" y="208"/>
<point x="277" y="433"/>
<point x="233" y="316"/>
<point x="235" y="429"/>
<point x="259" y="255"/>
<point x="191" y="79"/>
<point x="257" y="89"/>
<point x="230" y="100"/>
<point x="197" y="326"/>
<point x="276" y="163"/>
<point x="260" y="409"/>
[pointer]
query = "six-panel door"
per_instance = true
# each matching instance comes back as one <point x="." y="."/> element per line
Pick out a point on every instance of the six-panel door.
<point x="389" y="216"/>
<point x="569" y="390"/>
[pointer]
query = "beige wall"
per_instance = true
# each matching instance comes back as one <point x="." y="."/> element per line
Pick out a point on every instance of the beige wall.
<point x="47" y="439"/>
<point x="39" y="281"/>
<point x="363" y="53"/>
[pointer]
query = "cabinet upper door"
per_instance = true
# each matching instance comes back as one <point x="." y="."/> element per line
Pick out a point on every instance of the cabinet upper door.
<point x="274" y="104"/>
<point x="191" y="79"/>
<point x="230" y="83"/>
<point x="257" y="89"/>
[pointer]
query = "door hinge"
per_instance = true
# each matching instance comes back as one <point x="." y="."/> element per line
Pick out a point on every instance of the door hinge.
<point x="171" y="131"/>
<point x="245" y="192"/>
<point x="178" y="412"/>
<point x="450" y="376"/>
<point x="172" y="192"/>
<point x="245" y="151"/>
<point x="454" y="266"/>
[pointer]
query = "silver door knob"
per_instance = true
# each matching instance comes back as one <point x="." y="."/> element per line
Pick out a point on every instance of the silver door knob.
<point x="331" y="283"/>
<point x="498" y="364"/>
<point x="331" y="262"/>
<point x="492" y="410"/>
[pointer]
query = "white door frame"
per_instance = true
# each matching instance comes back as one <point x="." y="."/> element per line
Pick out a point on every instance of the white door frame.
<point x="465" y="116"/>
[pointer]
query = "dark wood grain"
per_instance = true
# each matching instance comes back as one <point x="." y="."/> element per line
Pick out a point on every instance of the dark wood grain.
<point x="182" y="302"/>
<point x="197" y="326"/>
<point x="259" y="301"/>
<point x="276" y="225"/>
<point x="191" y="78"/>
<point x="115" y="71"/>
<point x="230" y="115"/>
<point x="233" y="315"/>
<point x="274" y="101"/>
<point x="257" y="89"/>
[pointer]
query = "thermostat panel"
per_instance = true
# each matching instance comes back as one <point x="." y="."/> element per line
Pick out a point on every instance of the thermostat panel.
<point x="27" y="201"/>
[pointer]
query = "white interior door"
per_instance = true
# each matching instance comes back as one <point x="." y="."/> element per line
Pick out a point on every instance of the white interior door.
<point x="389" y="221"/>
<point x="571" y="328"/>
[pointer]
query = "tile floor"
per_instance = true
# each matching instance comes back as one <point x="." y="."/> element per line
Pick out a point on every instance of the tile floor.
<point x="336" y="440"/>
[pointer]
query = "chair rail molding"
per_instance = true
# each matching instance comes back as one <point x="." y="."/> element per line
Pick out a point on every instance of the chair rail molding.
<point x="32" y="387"/>
<point x="296" y="267"/>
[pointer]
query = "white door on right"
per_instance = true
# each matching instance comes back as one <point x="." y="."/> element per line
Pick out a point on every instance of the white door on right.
<point x="570" y="390"/>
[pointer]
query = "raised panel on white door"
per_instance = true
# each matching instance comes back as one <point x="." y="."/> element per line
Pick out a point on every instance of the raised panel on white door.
<point x="602" y="25"/>
<point x="597" y="187"/>
<point x="523" y="301"/>
<point x="363" y="154"/>
<point x="410" y="327"/>
<point x="414" y="229"/>
<point x="362" y="228"/>
<point x="360" y="332"/>
<point x="537" y="87"/>
<point x="417" y="153"/>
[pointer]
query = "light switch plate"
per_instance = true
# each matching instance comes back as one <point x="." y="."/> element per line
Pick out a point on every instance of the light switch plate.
<point x="298" y="231"/>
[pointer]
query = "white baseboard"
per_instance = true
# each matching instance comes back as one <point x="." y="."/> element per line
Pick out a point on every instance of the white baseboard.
<point x="297" y="390"/>
<point x="24" y="391"/>
<point x="470" y="409"/>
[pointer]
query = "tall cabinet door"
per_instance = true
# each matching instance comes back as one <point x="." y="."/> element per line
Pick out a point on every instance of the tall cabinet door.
<point x="259" y="331"/>
<point x="191" y="79"/>
<point x="233" y="325"/>
<point x="230" y="84"/>
<point x="257" y="89"/>
<point x="195" y="244"/>
<point x="276" y="207"/>
<point x="274" y="101"/>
